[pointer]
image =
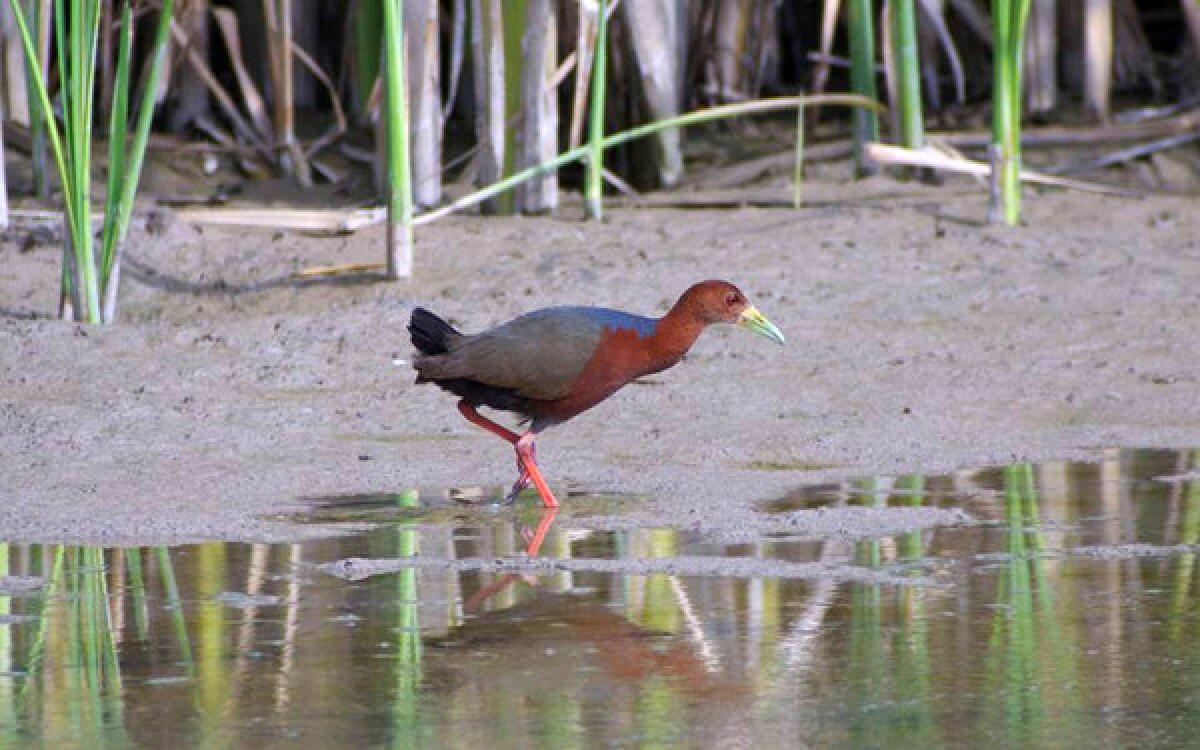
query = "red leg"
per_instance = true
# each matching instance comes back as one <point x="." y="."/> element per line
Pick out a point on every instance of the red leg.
<point x="526" y="453"/>
<point x="527" y="456"/>
<point x="474" y="417"/>
<point x="522" y="480"/>
<point x="533" y="541"/>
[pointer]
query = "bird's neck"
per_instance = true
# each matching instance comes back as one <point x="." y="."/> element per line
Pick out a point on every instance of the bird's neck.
<point x="676" y="332"/>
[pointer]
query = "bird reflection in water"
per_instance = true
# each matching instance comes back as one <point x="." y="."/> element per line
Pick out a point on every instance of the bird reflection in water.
<point x="558" y="624"/>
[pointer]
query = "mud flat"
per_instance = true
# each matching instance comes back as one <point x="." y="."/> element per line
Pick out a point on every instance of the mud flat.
<point x="920" y="340"/>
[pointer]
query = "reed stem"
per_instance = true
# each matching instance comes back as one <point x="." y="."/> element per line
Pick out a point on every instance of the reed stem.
<point x="859" y="18"/>
<point x="594" y="188"/>
<point x="1008" y="51"/>
<point x="399" y="186"/>
<point x="798" y="174"/>
<point x="903" y="23"/>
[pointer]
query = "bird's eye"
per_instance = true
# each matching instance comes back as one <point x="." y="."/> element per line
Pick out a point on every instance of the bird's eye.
<point x="731" y="300"/>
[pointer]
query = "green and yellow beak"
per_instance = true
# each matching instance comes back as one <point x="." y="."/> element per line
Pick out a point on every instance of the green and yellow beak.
<point x="754" y="320"/>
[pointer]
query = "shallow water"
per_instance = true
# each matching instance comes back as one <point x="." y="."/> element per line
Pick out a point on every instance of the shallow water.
<point x="1040" y="626"/>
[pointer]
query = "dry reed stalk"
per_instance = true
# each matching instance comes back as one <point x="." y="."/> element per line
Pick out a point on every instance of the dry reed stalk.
<point x="258" y="129"/>
<point x="38" y="147"/>
<point x="1191" y="14"/>
<point x="654" y="28"/>
<point x="189" y="97"/>
<point x="1098" y="56"/>
<point x="424" y="99"/>
<point x="891" y="81"/>
<point x="935" y="12"/>
<point x="1041" y="57"/>
<point x="732" y="40"/>
<point x="458" y="38"/>
<point x="539" y="96"/>
<point x="279" y="28"/>
<point x="1134" y="60"/>
<point x="820" y="79"/>
<point x="927" y="157"/>
<point x="16" y="97"/>
<point x="585" y="43"/>
<point x="487" y="47"/>
<point x="3" y="185"/>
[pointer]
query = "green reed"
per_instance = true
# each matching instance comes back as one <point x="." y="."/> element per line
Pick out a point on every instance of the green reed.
<point x="90" y="282"/>
<point x="594" y="187"/>
<point x="399" y="183"/>
<point x="1008" y="48"/>
<point x="903" y="22"/>
<point x="860" y="20"/>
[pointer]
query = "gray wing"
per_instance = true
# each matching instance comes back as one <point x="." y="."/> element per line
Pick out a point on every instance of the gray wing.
<point x="538" y="355"/>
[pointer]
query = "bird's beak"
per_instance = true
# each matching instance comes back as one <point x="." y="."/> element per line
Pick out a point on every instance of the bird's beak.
<point x="754" y="320"/>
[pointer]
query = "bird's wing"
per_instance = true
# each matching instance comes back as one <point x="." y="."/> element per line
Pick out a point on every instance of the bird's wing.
<point x="538" y="355"/>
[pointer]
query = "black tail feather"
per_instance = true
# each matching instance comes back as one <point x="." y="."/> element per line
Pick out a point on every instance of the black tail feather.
<point x="430" y="334"/>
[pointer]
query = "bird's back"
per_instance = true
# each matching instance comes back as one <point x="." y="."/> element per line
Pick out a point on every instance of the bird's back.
<point x="537" y="355"/>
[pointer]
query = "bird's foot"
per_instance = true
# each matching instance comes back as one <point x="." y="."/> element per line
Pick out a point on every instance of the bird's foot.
<point x="517" y="488"/>
<point x="526" y="456"/>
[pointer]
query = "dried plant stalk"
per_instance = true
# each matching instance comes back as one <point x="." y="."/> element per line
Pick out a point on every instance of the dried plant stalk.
<point x="539" y="96"/>
<point x="424" y="97"/>
<point x="654" y="28"/>
<point x="487" y="47"/>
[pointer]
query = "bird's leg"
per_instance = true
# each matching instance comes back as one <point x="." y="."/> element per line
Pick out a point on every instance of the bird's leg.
<point x="527" y="455"/>
<point x="522" y="479"/>
<point x="467" y="409"/>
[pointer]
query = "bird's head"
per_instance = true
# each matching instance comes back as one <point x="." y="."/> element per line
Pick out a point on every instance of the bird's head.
<point x="722" y="302"/>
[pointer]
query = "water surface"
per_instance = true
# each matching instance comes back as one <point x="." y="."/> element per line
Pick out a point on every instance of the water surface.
<point x="1037" y="627"/>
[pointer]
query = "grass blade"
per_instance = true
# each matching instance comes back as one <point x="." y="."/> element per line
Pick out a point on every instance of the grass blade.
<point x="134" y="157"/>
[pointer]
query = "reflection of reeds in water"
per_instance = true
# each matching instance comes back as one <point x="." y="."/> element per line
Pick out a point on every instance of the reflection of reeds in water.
<point x="8" y="697"/>
<point x="666" y="658"/>
<point x="74" y="649"/>
<point x="889" y="661"/>
<point x="1028" y="646"/>
<point x="1189" y="533"/>
<point x="405" y="715"/>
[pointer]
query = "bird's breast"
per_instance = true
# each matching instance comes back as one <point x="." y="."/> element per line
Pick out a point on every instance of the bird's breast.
<point x="621" y="357"/>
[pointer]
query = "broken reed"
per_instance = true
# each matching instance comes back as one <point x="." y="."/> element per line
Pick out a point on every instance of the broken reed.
<point x="1009" y="17"/>
<point x="89" y="284"/>
<point x="584" y="152"/>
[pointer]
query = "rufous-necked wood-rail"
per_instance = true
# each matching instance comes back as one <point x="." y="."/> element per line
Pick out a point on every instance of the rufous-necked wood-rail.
<point x="551" y="364"/>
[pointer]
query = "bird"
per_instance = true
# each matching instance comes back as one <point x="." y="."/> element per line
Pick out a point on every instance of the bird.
<point x="552" y="364"/>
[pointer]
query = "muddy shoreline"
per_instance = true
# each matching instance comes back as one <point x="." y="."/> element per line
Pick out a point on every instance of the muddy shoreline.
<point x="920" y="341"/>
